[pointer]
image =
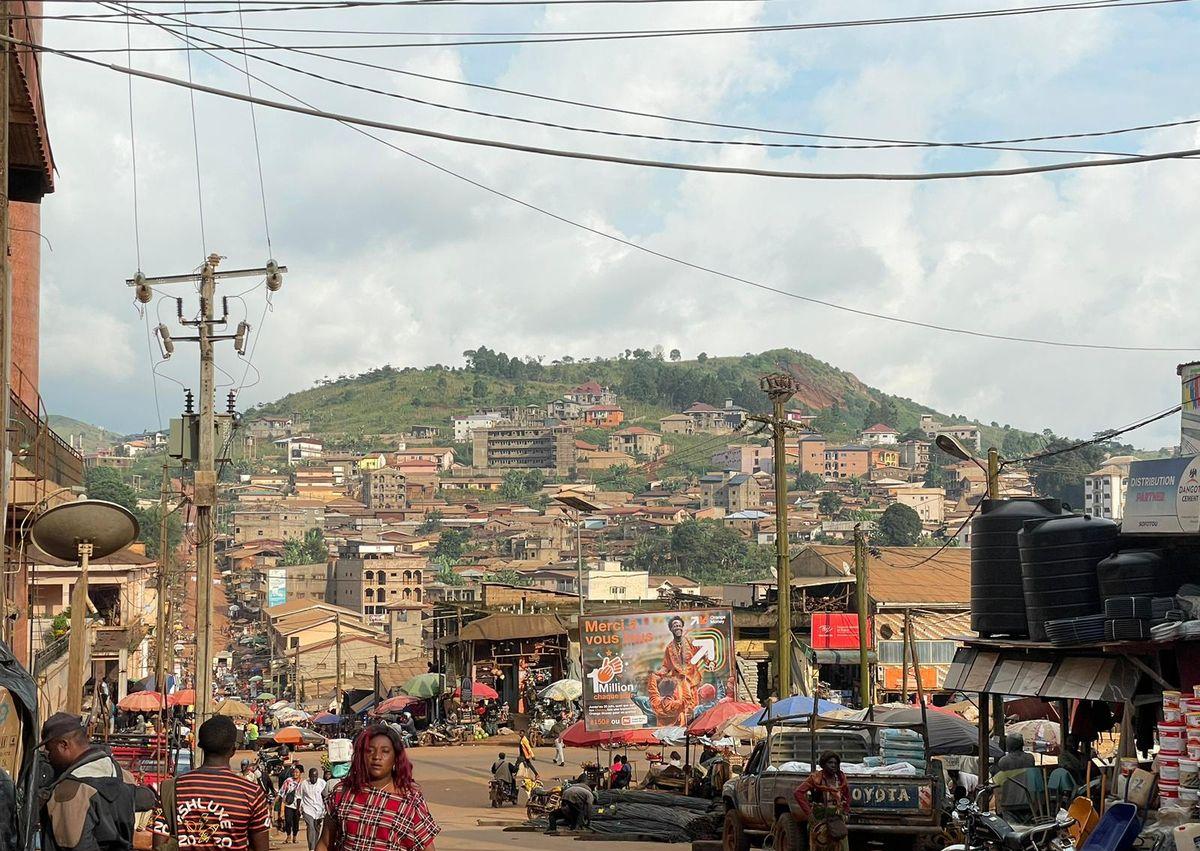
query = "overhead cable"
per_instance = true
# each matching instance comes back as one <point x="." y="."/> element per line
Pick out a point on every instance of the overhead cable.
<point x="629" y="134"/>
<point x="613" y="158"/>
<point x="567" y="38"/>
<point x="878" y="142"/>
<point x="688" y="264"/>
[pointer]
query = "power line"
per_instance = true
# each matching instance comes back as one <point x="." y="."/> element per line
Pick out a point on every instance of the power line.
<point x="636" y="161"/>
<point x="688" y="263"/>
<point x="618" y="133"/>
<point x="196" y="149"/>
<point x="879" y="142"/>
<point x="1102" y="437"/>
<point x="624" y="35"/>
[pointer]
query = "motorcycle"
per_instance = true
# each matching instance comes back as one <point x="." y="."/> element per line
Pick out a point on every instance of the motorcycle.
<point x="501" y="793"/>
<point x="987" y="831"/>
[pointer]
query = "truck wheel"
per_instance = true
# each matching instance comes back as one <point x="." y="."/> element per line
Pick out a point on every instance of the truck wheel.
<point x="787" y="834"/>
<point x="733" y="835"/>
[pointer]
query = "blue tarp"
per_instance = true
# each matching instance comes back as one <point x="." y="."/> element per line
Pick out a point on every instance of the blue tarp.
<point x="791" y="707"/>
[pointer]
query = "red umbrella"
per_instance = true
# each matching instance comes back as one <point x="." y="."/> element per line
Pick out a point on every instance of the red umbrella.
<point x="712" y="719"/>
<point x="141" y="701"/>
<point x="395" y="704"/>
<point x="479" y="691"/>
<point x="184" y="697"/>
<point x="576" y="736"/>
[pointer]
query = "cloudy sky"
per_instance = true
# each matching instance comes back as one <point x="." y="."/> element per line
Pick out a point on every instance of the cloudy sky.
<point x="393" y="261"/>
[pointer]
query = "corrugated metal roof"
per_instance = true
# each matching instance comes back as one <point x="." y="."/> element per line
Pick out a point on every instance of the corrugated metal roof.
<point x="899" y="575"/>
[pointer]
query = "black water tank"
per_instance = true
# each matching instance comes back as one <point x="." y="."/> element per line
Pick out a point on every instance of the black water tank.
<point x="997" y="595"/>
<point x="1058" y="567"/>
<point x="1132" y="573"/>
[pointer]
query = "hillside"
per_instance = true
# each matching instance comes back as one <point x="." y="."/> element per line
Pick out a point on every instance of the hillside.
<point x="388" y="400"/>
<point x="94" y="437"/>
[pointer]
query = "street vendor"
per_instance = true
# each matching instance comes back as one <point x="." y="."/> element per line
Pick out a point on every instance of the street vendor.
<point x="824" y="802"/>
<point x="575" y="807"/>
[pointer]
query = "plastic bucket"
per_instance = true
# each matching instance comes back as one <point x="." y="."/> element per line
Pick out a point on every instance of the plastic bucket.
<point x="1128" y="765"/>
<point x="1193" y="748"/>
<point x="1168" y="793"/>
<point x="1189" y="774"/>
<point x="1188" y="703"/>
<point x="1171" y="740"/>
<point x="1171" y="699"/>
<point x="1192" y="719"/>
<point x="1189" y="797"/>
<point x="1172" y="714"/>
<point x="1168" y="768"/>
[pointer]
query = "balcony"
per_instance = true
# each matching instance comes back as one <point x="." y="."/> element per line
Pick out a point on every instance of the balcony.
<point x="39" y="454"/>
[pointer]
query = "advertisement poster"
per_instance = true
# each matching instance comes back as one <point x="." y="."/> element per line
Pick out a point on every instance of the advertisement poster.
<point x="1189" y="426"/>
<point x="1163" y="496"/>
<point x="655" y="669"/>
<point x="276" y="586"/>
<point x="837" y="631"/>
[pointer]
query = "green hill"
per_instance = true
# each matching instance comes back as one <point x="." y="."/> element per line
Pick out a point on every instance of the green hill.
<point x="388" y="400"/>
<point x="94" y="437"/>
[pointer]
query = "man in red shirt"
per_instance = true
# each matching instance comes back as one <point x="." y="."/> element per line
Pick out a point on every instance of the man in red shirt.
<point x="214" y="807"/>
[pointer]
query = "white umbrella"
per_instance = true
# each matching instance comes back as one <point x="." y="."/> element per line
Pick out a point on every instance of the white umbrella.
<point x="563" y="690"/>
<point x="280" y="704"/>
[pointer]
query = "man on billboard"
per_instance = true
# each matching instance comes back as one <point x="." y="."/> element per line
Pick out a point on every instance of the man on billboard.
<point x="673" y="687"/>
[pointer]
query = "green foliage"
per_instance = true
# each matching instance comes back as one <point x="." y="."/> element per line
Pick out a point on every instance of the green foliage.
<point x="620" y="478"/>
<point x="883" y="411"/>
<point x="61" y="624"/>
<point x="523" y="485"/>
<point x="149" y="521"/>
<point x="451" y="544"/>
<point x="311" y="550"/>
<point x="709" y="551"/>
<point x="431" y="523"/>
<point x="508" y="576"/>
<point x="107" y="484"/>
<point x="900" y="526"/>
<point x="808" y="481"/>
<point x="1062" y="476"/>
<point x="830" y="504"/>
<point x="445" y="573"/>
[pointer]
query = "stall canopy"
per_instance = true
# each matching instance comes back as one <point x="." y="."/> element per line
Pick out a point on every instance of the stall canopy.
<point x="505" y="627"/>
<point x="1020" y="673"/>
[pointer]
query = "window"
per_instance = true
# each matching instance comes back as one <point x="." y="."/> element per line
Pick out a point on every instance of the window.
<point x="362" y="666"/>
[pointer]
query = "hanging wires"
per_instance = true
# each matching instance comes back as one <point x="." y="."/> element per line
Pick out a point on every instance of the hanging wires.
<point x="196" y="145"/>
<point x="262" y="188"/>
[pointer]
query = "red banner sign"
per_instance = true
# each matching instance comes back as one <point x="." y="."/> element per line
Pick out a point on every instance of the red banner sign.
<point x="835" y="631"/>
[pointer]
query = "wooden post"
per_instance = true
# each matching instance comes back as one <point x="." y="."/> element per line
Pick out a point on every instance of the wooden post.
<point x="904" y="658"/>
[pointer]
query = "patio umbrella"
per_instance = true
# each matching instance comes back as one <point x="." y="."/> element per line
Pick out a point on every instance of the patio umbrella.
<point x="255" y="679"/>
<point x="425" y="685"/>
<point x="142" y="701"/>
<point x="1041" y="735"/>
<point x="395" y="704"/>
<point x="741" y="729"/>
<point x="564" y="690"/>
<point x="327" y="718"/>
<point x="577" y="736"/>
<point x="297" y="736"/>
<point x="292" y="716"/>
<point x="794" y="707"/>
<point x="714" y="718"/>
<point x="265" y="695"/>
<point x="480" y="691"/>
<point x="279" y="704"/>
<point x="234" y="708"/>
<point x="183" y="697"/>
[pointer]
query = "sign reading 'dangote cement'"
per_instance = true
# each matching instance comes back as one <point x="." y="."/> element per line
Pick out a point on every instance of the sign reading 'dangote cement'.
<point x="1163" y="497"/>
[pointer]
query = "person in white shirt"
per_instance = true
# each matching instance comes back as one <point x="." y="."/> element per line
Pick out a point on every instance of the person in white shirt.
<point x="312" y="807"/>
<point x="676" y="760"/>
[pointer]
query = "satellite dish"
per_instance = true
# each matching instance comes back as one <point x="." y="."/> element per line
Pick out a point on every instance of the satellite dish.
<point x="108" y="527"/>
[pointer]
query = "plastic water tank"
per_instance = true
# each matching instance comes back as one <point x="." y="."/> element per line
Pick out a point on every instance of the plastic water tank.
<point x="1059" y="557"/>
<point x="1131" y="573"/>
<point x="997" y="593"/>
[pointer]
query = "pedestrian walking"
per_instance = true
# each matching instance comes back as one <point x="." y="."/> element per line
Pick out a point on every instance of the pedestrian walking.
<point x="824" y="801"/>
<point x="378" y="806"/>
<point x="560" y="758"/>
<point x="89" y="804"/>
<point x="312" y="807"/>
<point x="289" y="793"/>
<point x="525" y="755"/>
<point x="213" y="807"/>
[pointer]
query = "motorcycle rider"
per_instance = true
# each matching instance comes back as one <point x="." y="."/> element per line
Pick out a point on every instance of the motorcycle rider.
<point x="505" y="772"/>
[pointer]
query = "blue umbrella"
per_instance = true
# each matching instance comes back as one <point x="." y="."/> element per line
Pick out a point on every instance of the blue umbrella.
<point x="791" y="707"/>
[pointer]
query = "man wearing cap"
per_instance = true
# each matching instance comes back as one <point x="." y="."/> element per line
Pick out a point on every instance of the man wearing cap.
<point x="89" y="804"/>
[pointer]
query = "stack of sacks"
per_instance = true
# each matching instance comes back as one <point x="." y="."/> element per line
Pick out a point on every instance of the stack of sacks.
<point x="900" y="745"/>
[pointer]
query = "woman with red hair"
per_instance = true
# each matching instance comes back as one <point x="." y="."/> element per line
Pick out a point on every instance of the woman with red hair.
<point x="378" y="807"/>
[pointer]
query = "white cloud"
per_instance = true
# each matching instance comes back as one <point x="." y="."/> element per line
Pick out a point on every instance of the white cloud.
<point x="394" y="262"/>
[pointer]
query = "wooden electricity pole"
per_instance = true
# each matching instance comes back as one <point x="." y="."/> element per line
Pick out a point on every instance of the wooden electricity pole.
<point x="337" y="648"/>
<point x="860" y="598"/>
<point x="779" y="387"/>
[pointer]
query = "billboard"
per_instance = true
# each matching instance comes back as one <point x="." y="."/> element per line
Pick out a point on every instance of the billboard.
<point x="1189" y="417"/>
<point x="836" y="631"/>
<point x="1163" y="496"/>
<point x="655" y="669"/>
<point x="276" y="586"/>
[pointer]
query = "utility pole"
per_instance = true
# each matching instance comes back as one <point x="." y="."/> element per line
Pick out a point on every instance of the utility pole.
<point x="205" y="475"/>
<point x="860" y="598"/>
<point x="993" y="473"/>
<point x="296" y="690"/>
<point x="337" y="649"/>
<point x="780" y="387"/>
<point x="164" y="566"/>
<point x="904" y="656"/>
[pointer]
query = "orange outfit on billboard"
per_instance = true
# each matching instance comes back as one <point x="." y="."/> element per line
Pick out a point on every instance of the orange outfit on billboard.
<point x="672" y="688"/>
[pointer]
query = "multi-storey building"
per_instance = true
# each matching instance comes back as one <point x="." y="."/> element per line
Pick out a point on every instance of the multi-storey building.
<point x="549" y="448"/>
<point x="369" y="575"/>
<point x="279" y="522"/>
<point x="1104" y="490"/>
<point x="744" y="459"/>
<point x="914" y="454"/>
<point x="730" y="491"/>
<point x="879" y="435"/>
<point x="808" y="453"/>
<point x="636" y="441"/>
<point x="384" y="488"/>
<point x="847" y="462"/>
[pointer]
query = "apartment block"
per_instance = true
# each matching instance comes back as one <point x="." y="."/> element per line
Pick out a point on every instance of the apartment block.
<point x="516" y="447"/>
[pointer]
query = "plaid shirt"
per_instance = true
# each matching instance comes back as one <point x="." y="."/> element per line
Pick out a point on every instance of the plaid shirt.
<point x="375" y="820"/>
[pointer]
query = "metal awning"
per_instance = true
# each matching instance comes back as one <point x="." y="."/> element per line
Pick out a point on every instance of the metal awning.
<point x="842" y="657"/>
<point x="1047" y="675"/>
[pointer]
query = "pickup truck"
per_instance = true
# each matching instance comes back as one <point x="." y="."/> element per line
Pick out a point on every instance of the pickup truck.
<point x="760" y="801"/>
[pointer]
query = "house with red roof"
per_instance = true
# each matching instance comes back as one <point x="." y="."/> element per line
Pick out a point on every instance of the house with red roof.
<point x="879" y="435"/>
